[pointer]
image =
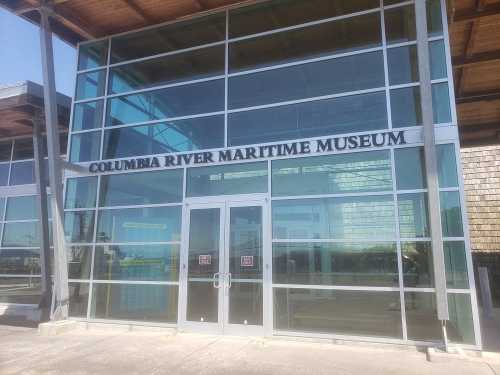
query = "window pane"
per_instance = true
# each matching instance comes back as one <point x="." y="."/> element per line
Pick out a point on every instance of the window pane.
<point x="22" y="208"/>
<point x="20" y="290"/>
<point x="137" y="262"/>
<point x="78" y="299"/>
<point x="460" y="324"/>
<point x="187" y="66"/>
<point x="23" y="149"/>
<point x="79" y="226"/>
<point x="158" y="224"/>
<point x="400" y="24"/>
<point x="455" y="265"/>
<point x="451" y="214"/>
<point x="418" y="271"/>
<point x="22" y="173"/>
<point x="5" y="150"/>
<point x="438" y="59"/>
<point x="81" y="192"/>
<point x="421" y="317"/>
<point x="355" y="264"/>
<point x="410" y="168"/>
<point x="93" y="55"/>
<point x="441" y="103"/>
<point x="227" y="179"/>
<point x="375" y="313"/>
<point x="403" y="65"/>
<point x="173" y="136"/>
<point x="405" y="107"/>
<point x="447" y="166"/>
<point x="90" y="85"/>
<point x="79" y="259"/>
<point x="413" y="216"/>
<point x="434" y="21"/>
<point x="264" y="17"/>
<point x="4" y="174"/>
<point x="306" y="120"/>
<point x="171" y="102"/>
<point x="20" y="261"/>
<point x="338" y="36"/>
<point x="85" y="146"/>
<point x="2" y="207"/>
<point x="333" y="174"/>
<point x="334" y="76"/>
<point x="169" y="38"/>
<point x="148" y="303"/>
<point x="26" y="234"/>
<point x="87" y="115"/>
<point x="330" y="218"/>
<point x="141" y="188"/>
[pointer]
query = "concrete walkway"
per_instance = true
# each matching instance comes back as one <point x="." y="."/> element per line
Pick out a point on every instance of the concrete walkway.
<point x="105" y="351"/>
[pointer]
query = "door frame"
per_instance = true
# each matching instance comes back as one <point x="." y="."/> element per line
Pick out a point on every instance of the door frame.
<point x="225" y="203"/>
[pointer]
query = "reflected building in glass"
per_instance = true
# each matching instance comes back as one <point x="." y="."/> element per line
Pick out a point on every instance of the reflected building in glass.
<point x="334" y="243"/>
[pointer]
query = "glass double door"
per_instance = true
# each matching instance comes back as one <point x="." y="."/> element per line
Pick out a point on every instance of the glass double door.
<point x="224" y="267"/>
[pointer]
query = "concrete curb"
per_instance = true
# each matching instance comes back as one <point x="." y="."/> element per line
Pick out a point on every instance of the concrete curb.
<point x="57" y="328"/>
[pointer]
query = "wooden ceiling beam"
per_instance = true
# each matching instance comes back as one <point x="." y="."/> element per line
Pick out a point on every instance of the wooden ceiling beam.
<point x="138" y="11"/>
<point x="483" y="11"/>
<point x="477" y="58"/>
<point x="478" y="97"/>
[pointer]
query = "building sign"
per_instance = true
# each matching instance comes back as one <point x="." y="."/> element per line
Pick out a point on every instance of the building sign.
<point x="247" y="261"/>
<point x="204" y="260"/>
<point x="298" y="148"/>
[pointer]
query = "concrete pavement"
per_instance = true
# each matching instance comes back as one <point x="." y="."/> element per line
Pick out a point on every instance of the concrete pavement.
<point x="117" y="351"/>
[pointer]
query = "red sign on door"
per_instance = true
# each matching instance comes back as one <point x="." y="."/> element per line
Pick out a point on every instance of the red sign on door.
<point x="247" y="261"/>
<point x="204" y="260"/>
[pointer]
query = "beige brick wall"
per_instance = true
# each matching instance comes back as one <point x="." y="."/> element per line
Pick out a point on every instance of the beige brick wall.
<point x="481" y="166"/>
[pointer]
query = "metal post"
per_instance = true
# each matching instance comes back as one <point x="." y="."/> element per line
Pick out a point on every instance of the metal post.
<point x="40" y="173"/>
<point x="55" y="171"/>
<point x="431" y="162"/>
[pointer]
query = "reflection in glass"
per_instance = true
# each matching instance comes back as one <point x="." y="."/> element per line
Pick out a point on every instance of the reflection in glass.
<point x="4" y="174"/>
<point x="5" y="150"/>
<point x="438" y="59"/>
<point x="137" y="262"/>
<point x="227" y="179"/>
<point x="451" y="214"/>
<point x="410" y="168"/>
<point x="264" y="17"/>
<point x="15" y="235"/>
<point x="161" y="138"/>
<point x="434" y="21"/>
<point x="87" y="115"/>
<point x="447" y="166"/>
<point x="79" y="226"/>
<point x="155" y="224"/>
<point x="311" y="119"/>
<point x="79" y="259"/>
<point x="421" y="317"/>
<point x="141" y="188"/>
<point x="441" y="103"/>
<point x="351" y="264"/>
<point x="370" y="217"/>
<point x="338" y="312"/>
<point x="192" y="99"/>
<point x="20" y="290"/>
<point x="22" y="208"/>
<point x="333" y="174"/>
<point x="187" y="66"/>
<point x="405" y="107"/>
<point x="357" y="72"/>
<point x="202" y="302"/>
<point x="23" y="149"/>
<point x="403" y="65"/>
<point x="81" y="192"/>
<point x="455" y="265"/>
<point x="78" y="299"/>
<point x="417" y="265"/>
<point x="413" y="216"/>
<point x="22" y="173"/>
<point x="20" y="261"/>
<point x="400" y="24"/>
<point x="147" y="303"/>
<point x="245" y="303"/>
<point x="90" y="85"/>
<point x="323" y="39"/>
<point x="85" y="146"/>
<point x="92" y="55"/>
<point x="460" y="322"/>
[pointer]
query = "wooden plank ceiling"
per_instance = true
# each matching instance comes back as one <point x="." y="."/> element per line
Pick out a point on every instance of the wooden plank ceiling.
<point x="474" y="31"/>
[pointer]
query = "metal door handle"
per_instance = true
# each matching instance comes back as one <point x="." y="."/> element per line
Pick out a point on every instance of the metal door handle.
<point x="229" y="280"/>
<point x="216" y="280"/>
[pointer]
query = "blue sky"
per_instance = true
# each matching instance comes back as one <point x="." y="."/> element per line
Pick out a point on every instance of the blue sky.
<point x="20" y="54"/>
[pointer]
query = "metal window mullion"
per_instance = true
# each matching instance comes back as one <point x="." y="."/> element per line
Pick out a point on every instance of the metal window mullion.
<point x="431" y="160"/>
<point x="10" y="162"/>
<point x="226" y="80"/>
<point x="105" y="103"/>
<point x="386" y="67"/>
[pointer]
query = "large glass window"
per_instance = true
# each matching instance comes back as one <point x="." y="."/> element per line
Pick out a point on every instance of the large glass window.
<point x="333" y="174"/>
<point x="20" y="261"/>
<point x="418" y="271"/>
<point x="21" y="208"/>
<point x="79" y="226"/>
<point x="79" y="259"/>
<point x="21" y="234"/>
<point x="85" y="146"/>
<point x="90" y="85"/>
<point x="141" y="188"/>
<point x="410" y="168"/>
<point x="87" y="115"/>
<point x="413" y="216"/>
<point x="447" y="166"/>
<point x="81" y="192"/>
<point x="451" y="214"/>
<point x="22" y="173"/>
<point x="92" y="55"/>
<point x="456" y="265"/>
<point x="405" y="107"/>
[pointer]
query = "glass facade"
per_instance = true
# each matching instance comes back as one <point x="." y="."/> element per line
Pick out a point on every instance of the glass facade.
<point x="348" y="237"/>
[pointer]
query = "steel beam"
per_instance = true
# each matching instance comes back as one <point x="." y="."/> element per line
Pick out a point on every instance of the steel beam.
<point x="55" y="169"/>
<point x="431" y="162"/>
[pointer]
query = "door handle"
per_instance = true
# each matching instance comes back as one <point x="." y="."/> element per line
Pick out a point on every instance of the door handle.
<point x="216" y="280"/>
<point x="229" y="280"/>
